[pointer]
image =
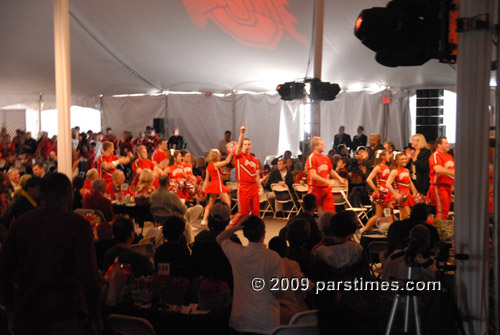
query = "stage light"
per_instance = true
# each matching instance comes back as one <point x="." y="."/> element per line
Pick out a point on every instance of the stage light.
<point x="323" y="91"/>
<point x="291" y="91"/>
<point x="407" y="32"/>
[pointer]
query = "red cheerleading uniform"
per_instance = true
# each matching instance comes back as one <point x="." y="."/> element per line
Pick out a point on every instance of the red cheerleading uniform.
<point x="126" y="147"/>
<point x="381" y="182"/>
<point x="216" y="185"/>
<point x="439" y="194"/>
<point x="103" y="173"/>
<point x="322" y="165"/>
<point x="177" y="175"/>
<point x="140" y="164"/>
<point x="159" y="156"/>
<point x="247" y="167"/>
<point x="402" y="183"/>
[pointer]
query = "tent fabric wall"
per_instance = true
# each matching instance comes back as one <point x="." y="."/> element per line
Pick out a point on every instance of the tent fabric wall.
<point x="353" y="109"/>
<point x="273" y="125"/>
<point x="202" y="120"/>
<point x="132" y="113"/>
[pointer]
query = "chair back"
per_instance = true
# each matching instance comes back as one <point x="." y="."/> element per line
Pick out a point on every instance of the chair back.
<point x="145" y="249"/>
<point x="130" y="325"/>
<point x="305" y="318"/>
<point x="296" y="330"/>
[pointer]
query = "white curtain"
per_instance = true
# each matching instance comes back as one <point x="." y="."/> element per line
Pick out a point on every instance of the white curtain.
<point x="202" y="120"/>
<point x="353" y="109"/>
<point x="132" y="113"/>
<point x="261" y="113"/>
<point x="290" y="127"/>
<point x="273" y="125"/>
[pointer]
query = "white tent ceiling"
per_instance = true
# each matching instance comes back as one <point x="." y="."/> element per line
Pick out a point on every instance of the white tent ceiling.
<point x="130" y="46"/>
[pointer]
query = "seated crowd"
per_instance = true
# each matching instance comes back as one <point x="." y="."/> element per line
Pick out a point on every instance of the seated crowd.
<point x="311" y="248"/>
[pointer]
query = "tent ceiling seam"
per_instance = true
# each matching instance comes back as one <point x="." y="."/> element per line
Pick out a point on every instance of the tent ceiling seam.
<point x="114" y="56"/>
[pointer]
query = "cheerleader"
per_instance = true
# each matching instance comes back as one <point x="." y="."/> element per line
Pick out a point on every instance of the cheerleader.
<point x="380" y="196"/>
<point x="216" y="186"/>
<point x="400" y="178"/>
<point x="175" y="170"/>
<point x="191" y="183"/>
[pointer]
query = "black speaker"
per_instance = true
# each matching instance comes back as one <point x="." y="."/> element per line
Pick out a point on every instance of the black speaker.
<point x="430" y="112"/>
<point x="159" y="126"/>
<point x="431" y="132"/>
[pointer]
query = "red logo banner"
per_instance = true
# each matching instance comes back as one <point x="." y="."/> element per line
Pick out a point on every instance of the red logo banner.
<point x="256" y="23"/>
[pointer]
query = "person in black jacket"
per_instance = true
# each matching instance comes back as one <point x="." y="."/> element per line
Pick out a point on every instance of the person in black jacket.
<point x="419" y="165"/>
<point x="359" y="140"/>
<point x="282" y="176"/>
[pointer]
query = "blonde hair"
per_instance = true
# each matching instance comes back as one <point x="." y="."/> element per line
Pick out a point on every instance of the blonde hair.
<point x="213" y="155"/>
<point x="106" y="145"/>
<point x="315" y="141"/>
<point x="146" y="176"/>
<point x="422" y="143"/>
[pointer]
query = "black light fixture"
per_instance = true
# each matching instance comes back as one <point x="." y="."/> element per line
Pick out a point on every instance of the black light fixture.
<point x="291" y="90"/>
<point x="323" y="91"/>
<point x="318" y="90"/>
<point x="408" y="32"/>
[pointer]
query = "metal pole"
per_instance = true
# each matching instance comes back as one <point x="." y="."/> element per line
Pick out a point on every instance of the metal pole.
<point x="496" y="199"/>
<point x="63" y="85"/>
<point x="319" y="14"/>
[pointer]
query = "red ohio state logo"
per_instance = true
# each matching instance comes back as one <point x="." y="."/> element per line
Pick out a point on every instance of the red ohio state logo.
<point x="256" y="23"/>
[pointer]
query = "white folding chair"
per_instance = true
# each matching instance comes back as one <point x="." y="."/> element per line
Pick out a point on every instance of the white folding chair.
<point x="233" y="194"/>
<point x="268" y="208"/>
<point x="342" y="190"/>
<point x="277" y="188"/>
<point x="305" y="318"/>
<point x="300" y="190"/>
<point x="130" y="325"/>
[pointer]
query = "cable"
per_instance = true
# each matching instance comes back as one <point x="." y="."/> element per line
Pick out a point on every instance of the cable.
<point x="312" y="40"/>
<point x="122" y="63"/>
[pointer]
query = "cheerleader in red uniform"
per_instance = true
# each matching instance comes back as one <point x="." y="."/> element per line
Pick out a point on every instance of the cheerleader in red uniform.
<point x="380" y="196"/>
<point x="216" y="186"/>
<point x="176" y="174"/>
<point x="400" y="185"/>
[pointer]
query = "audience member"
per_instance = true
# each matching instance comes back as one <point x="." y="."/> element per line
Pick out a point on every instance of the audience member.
<point x="359" y="140"/>
<point x="252" y="310"/>
<point x="48" y="273"/>
<point x="222" y="145"/>
<point x="291" y="301"/>
<point x="207" y="258"/>
<point x="174" y="251"/>
<point x="97" y="201"/>
<point x="28" y="199"/>
<point x="124" y="235"/>
<point x="341" y="138"/>
<point x="309" y="207"/>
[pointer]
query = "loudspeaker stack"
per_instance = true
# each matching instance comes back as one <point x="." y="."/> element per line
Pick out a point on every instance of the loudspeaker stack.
<point x="430" y="110"/>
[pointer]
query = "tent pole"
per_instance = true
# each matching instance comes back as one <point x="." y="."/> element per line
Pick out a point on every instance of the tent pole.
<point x="471" y="197"/>
<point x="319" y="14"/>
<point x="496" y="198"/>
<point x="63" y="85"/>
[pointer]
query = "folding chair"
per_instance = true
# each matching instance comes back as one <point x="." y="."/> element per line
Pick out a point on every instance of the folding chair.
<point x="277" y="188"/>
<point x="268" y="208"/>
<point x="145" y="249"/>
<point x="296" y="330"/>
<point x="300" y="190"/>
<point x="130" y="325"/>
<point x="360" y="211"/>
<point x="305" y="318"/>
<point x="233" y="194"/>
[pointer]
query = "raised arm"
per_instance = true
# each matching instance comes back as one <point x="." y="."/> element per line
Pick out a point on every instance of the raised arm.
<point x="243" y="129"/>
<point x="224" y="162"/>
